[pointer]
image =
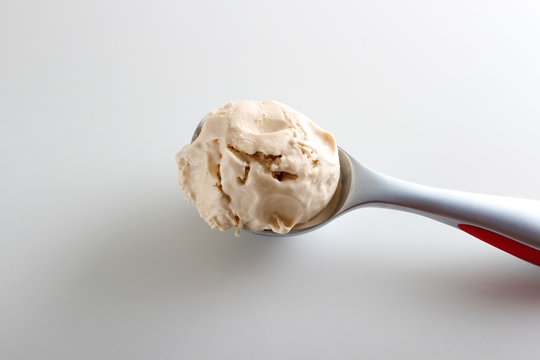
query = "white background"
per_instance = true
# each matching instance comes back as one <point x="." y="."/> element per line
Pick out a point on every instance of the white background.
<point x="101" y="257"/>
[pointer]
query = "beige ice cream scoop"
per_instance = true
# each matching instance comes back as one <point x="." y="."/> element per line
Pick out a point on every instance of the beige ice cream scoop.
<point x="259" y="165"/>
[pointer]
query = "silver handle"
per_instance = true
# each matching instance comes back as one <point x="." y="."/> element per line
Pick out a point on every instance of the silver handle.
<point x="511" y="224"/>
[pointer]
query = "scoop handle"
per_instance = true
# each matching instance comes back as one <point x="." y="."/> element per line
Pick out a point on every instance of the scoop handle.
<point x="510" y="224"/>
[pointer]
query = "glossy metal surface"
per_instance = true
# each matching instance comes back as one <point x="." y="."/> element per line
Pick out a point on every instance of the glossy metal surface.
<point x="198" y="129"/>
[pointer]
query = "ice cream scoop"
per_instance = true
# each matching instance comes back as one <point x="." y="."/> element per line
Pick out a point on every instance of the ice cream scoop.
<point x="259" y="165"/>
<point x="510" y="224"/>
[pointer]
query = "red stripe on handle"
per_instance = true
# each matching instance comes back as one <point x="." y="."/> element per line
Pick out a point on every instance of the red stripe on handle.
<point x="513" y="247"/>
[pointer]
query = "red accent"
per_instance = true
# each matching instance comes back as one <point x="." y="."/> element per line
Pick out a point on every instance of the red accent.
<point x="513" y="247"/>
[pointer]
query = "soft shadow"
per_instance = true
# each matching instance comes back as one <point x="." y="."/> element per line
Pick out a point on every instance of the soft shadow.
<point x="161" y="247"/>
<point x="518" y="286"/>
<point x="500" y="283"/>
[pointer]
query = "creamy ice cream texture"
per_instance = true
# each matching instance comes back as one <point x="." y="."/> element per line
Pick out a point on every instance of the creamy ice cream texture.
<point x="260" y="165"/>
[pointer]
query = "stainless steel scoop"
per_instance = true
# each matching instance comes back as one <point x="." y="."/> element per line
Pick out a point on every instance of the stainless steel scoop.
<point x="510" y="224"/>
